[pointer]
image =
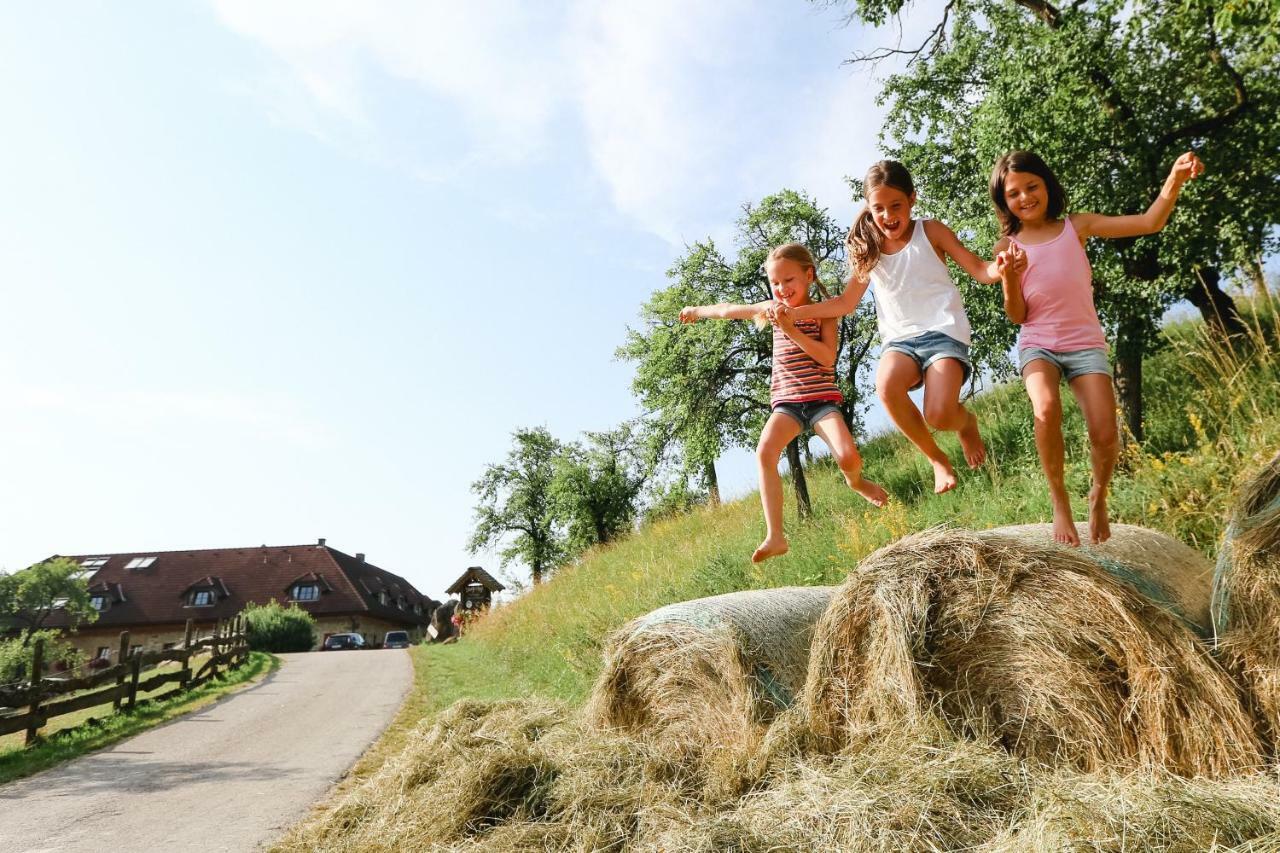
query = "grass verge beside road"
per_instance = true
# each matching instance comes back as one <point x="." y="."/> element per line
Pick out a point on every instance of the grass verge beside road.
<point x="66" y="743"/>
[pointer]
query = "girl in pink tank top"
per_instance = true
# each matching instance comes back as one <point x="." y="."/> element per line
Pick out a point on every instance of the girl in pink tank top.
<point x="1061" y="337"/>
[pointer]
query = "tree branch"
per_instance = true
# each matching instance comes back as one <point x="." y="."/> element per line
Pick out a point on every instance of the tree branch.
<point x="931" y="43"/>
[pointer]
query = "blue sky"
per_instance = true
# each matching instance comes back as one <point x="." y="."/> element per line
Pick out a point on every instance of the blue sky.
<point x="277" y="271"/>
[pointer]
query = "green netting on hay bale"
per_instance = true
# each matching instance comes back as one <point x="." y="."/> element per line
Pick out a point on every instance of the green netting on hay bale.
<point x="1021" y="642"/>
<point x="712" y="670"/>
<point x="1246" y="595"/>
<point x="1164" y="570"/>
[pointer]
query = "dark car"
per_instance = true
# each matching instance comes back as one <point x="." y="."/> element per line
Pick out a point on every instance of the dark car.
<point x="396" y="640"/>
<point x="338" y="642"/>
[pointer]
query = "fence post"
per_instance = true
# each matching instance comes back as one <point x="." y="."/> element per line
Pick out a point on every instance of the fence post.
<point x="186" y="661"/>
<point x="135" y="670"/>
<point x="36" y="674"/>
<point x="120" y="659"/>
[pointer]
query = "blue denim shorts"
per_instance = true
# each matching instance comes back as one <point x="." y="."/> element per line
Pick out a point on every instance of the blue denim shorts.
<point x="807" y="413"/>
<point x="1070" y="363"/>
<point x="925" y="349"/>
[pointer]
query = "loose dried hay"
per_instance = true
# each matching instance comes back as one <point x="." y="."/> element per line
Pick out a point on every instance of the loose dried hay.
<point x="711" y="671"/>
<point x="1024" y="643"/>
<point x="1246" y="596"/>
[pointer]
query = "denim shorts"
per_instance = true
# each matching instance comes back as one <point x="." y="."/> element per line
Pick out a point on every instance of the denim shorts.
<point x="925" y="349"/>
<point x="809" y="412"/>
<point x="1070" y="363"/>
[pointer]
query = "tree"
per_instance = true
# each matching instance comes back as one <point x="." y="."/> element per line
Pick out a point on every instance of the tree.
<point x="598" y="482"/>
<point x="29" y="597"/>
<point x="517" y="507"/>
<point x="1109" y="93"/>
<point x="272" y="627"/>
<point x="708" y="383"/>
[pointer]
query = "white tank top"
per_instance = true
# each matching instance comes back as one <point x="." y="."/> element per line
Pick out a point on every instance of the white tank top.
<point x="914" y="293"/>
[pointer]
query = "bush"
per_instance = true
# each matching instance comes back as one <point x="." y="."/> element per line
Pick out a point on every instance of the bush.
<point x="274" y="628"/>
<point x="15" y="658"/>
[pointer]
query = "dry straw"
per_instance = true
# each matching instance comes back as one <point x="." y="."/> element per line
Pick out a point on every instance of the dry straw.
<point x="1247" y="595"/>
<point x="1014" y="640"/>
<point x="710" y="671"/>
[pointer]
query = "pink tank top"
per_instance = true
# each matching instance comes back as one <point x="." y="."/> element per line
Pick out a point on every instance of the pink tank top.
<point x="1058" y="290"/>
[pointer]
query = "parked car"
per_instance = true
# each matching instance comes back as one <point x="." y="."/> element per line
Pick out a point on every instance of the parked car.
<point x="338" y="642"/>
<point x="396" y="640"/>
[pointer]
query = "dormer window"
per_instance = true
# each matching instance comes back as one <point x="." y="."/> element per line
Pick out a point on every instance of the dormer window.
<point x="201" y="598"/>
<point x="402" y="603"/>
<point x="305" y="592"/>
<point x="98" y="602"/>
<point x="382" y="597"/>
<point x="139" y="562"/>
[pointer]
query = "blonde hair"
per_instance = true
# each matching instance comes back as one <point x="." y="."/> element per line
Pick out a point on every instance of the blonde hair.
<point x="865" y="238"/>
<point x="799" y="253"/>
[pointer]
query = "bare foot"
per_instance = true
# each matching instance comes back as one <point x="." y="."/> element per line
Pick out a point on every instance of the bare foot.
<point x="944" y="477"/>
<point x="975" y="452"/>
<point x="770" y="548"/>
<point x="869" y="490"/>
<point x="1099" y="522"/>
<point x="1064" y="529"/>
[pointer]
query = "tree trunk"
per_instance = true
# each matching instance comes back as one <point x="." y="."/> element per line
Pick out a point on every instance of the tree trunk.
<point x="1128" y="380"/>
<point x="537" y="573"/>
<point x="712" y="483"/>
<point x="797" y="479"/>
<point x="1218" y="309"/>
<point x="1259" y="278"/>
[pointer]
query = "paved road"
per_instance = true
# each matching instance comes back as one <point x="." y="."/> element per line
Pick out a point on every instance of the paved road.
<point x="228" y="778"/>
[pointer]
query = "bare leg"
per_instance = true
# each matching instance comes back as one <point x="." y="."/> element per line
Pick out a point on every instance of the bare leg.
<point x="1041" y="379"/>
<point x="894" y="377"/>
<point x="1097" y="400"/>
<point x="777" y="433"/>
<point x="943" y="410"/>
<point x="833" y="431"/>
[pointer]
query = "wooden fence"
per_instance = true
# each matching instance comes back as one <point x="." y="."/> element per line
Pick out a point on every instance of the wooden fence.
<point x="228" y="647"/>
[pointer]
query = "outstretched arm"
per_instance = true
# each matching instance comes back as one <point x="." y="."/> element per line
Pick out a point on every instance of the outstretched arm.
<point x="945" y="241"/>
<point x="721" y="311"/>
<point x="838" y="306"/>
<point x="1185" y="168"/>
<point x="822" y="350"/>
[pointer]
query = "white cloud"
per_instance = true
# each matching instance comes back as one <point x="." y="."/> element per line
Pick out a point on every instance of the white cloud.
<point x="685" y="109"/>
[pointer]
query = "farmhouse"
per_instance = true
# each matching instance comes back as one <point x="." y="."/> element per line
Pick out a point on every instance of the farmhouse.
<point x="151" y="594"/>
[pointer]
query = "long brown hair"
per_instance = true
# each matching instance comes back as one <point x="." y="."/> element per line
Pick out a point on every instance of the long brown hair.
<point x="799" y="253"/>
<point x="865" y="238"/>
<point x="1030" y="163"/>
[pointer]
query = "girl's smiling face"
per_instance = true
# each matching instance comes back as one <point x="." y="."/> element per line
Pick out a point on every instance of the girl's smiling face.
<point x="891" y="209"/>
<point x="790" y="281"/>
<point x="1027" y="196"/>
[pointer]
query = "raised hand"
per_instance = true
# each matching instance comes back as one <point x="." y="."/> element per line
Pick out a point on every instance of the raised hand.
<point x="1011" y="263"/>
<point x="689" y="314"/>
<point x="1186" y="167"/>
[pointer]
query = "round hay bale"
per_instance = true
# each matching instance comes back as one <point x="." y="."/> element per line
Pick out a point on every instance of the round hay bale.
<point x="712" y="670"/>
<point x="1022" y="643"/>
<point x="1165" y="570"/>
<point x="1246" y="595"/>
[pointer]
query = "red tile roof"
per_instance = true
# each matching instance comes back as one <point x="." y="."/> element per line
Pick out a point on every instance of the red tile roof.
<point x="159" y="593"/>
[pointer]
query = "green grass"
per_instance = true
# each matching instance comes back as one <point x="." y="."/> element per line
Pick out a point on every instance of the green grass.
<point x="69" y="737"/>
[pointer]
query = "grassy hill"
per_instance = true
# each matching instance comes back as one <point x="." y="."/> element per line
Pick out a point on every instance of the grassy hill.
<point x="1211" y="415"/>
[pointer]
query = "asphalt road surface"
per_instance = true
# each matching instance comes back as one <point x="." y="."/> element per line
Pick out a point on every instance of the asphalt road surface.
<point x="232" y="776"/>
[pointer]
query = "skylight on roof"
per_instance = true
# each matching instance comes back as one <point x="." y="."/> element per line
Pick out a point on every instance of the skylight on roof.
<point x="93" y="562"/>
<point x="139" y="562"/>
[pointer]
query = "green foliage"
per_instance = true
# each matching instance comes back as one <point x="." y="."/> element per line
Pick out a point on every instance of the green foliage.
<point x="517" y="508"/>
<point x="272" y="627"/>
<point x="15" y="655"/>
<point x="597" y="484"/>
<point x="30" y="596"/>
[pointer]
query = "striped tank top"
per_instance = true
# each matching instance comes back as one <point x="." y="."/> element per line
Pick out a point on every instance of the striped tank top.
<point x="797" y="377"/>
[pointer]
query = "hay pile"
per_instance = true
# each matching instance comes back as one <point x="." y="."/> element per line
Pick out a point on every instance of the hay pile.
<point x="1166" y="571"/>
<point x="1020" y="642"/>
<point x="1246" y="595"/>
<point x="529" y="775"/>
<point x="709" y="671"/>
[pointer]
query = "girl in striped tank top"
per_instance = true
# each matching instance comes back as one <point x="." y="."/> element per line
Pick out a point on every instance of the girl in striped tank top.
<point x="802" y="388"/>
<point x="1061" y="337"/>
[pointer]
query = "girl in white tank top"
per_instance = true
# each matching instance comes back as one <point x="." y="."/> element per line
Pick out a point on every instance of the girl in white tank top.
<point x="920" y="315"/>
